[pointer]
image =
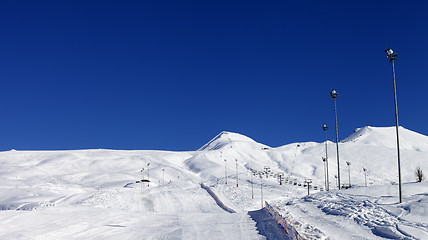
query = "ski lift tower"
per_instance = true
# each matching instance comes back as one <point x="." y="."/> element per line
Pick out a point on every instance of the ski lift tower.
<point x="308" y="183"/>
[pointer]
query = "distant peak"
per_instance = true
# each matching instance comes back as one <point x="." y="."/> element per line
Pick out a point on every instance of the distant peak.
<point x="386" y="136"/>
<point x="225" y="138"/>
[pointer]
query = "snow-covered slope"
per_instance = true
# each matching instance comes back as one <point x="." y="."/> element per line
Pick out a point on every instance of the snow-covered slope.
<point x="230" y="140"/>
<point x="93" y="194"/>
<point x="386" y="137"/>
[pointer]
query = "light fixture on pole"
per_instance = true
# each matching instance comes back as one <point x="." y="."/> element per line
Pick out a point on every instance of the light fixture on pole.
<point x="324" y="160"/>
<point x="225" y="170"/>
<point x="163" y="176"/>
<point x="365" y="176"/>
<point x="253" y="172"/>
<point x="325" y="128"/>
<point x="349" y="172"/>
<point x="148" y="174"/>
<point x="261" y="187"/>
<point x="335" y="176"/>
<point x="335" y="95"/>
<point x="392" y="57"/>
<point x="236" y="160"/>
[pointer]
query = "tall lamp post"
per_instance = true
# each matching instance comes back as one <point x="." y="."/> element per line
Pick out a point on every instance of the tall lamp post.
<point x="349" y="172"/>
<point x="392" y="57"/>
<point x="253" y="172"/>
<point x="365" y="176"/>
<point x="335" y="95"/>
<point x="236" y="160"/>
<point x="335" y="176"/>
<point x="163" y="176"/>
<point x="325" y="173"/>
<point x="148" y="174"/>
<point x="261" y="187"/>
<point x="325" y="128"/>
<point x="225" y="170"/>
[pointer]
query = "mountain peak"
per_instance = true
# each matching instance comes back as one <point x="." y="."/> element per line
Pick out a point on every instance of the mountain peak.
<point x="225" y="138"/>
<point x="386" y="136"/>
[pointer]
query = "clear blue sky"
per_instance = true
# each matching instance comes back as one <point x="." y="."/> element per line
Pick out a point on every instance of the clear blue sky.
<point x="173" y="74"/>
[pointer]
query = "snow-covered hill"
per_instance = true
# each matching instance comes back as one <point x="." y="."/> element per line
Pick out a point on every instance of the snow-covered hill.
<point x="93" y="194"/>
<point x="385" y="136"/>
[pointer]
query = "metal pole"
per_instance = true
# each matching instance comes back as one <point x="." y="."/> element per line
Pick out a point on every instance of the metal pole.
<point x="396" y="128"/>
<point x="252" y="190"/>
<point x="326" y="161"/>
<point x="308" y="189"/>
<point x="225" y="170"/>
<point x="337" y="145"/>
<point x="349" y="172"/>
<point x="365" y="176"/>
<point x="308" y="182"/>
<point x="335" y="176"/>
<point x="236" y="160"/>
<point x="261" y="189"/>
<point x="148" y="174"/>
<point x="325" y="174"/>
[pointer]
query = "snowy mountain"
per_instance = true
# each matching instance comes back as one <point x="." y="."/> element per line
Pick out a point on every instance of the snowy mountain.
<point x="386" y="137"/>
<point x="94" y="194"/>
<point x="229" y="139"/>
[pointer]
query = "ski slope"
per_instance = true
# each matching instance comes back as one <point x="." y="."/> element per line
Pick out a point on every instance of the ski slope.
<point x="93" y="194"/>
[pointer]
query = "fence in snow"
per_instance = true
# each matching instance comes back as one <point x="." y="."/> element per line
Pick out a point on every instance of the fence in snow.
<point x="217" y="200"/>
<point x="290" y="230"/>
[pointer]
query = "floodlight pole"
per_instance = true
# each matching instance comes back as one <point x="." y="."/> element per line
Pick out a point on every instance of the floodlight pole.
<point x="225" y="170"/>
<point x="365" y="176"/>
<point x="252" y="190"/>
<point x="335" y="176"/>
<point x="325" y="128"/>
<point x="261" y="188"/>
<point x="163" y="176"/>
<point x="349" y="172"/>
<point x="148" y="174"/>
<point x="334" y="95"/>
<point x="236" y="160"/>
<point x="325" y="173"/>
<point x="392" y="57"/>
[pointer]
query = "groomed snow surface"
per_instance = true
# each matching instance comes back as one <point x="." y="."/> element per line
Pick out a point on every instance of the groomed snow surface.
<point x="93" y="194"/>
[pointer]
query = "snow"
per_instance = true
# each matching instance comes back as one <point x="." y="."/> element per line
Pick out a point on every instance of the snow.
<point x="93" y="194"/>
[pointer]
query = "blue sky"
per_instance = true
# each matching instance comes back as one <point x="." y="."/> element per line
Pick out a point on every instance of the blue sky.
<point x="173" y="74"/>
